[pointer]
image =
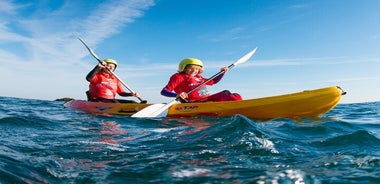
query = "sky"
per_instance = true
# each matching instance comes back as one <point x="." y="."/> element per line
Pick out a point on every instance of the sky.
<point x="302" y="45"/>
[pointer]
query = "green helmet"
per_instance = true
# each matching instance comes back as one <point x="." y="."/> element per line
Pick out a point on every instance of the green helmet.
<point x="111" y="61"/>
<point x="189" y="61"/>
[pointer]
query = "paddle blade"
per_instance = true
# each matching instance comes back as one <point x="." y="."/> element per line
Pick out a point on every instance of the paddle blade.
<point x="148" y="111"/>
<point x="154" y="111"/>
<point x="245" y="57"/>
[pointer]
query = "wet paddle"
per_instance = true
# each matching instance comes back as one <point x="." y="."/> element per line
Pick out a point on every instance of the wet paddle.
<point x="100" y="61"/>
<point x="160" y="110"/>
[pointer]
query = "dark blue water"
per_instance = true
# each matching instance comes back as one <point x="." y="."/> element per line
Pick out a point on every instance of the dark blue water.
<point x="43" y="142"/>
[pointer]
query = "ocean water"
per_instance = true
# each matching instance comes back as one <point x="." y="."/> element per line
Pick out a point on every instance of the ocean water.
<point x="44" y="142"/>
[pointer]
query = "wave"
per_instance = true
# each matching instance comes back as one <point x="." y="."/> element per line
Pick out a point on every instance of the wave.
<point x="359" y="141"/>
<point x="43" y="142"/>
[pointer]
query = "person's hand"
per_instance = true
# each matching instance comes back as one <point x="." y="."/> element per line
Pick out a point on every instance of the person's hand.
<point x="183" y="95"/>
<point x="136" y="95"/>
<point x="224" y="69"/>
<point x="102" y="64"/>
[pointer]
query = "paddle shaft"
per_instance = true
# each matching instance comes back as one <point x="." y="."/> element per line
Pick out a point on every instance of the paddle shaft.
<point x="241" y="60"/>
<point x="209" y="79"/>
<point x="100" y="61"/>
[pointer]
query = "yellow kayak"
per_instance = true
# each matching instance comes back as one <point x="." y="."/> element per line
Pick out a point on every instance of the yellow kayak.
<point x="308" y="103"/>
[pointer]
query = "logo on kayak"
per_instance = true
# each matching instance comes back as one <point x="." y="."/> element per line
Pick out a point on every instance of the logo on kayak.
<point x="100" y="108"/>
<point x="187" y="107"/>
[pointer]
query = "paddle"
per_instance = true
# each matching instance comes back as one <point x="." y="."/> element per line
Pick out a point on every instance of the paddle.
<point x="160" y="110"/>
<point x="100" y="61"/>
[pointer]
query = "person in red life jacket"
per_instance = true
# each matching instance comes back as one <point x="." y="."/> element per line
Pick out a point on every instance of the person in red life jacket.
<point x="104" y="86"/>
<point x="188" y="77"/>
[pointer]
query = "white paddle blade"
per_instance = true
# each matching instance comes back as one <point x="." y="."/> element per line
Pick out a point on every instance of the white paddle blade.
<point x="154" y="111"/>
<point x="147" y="111"/>
<point x="245" y="57"/>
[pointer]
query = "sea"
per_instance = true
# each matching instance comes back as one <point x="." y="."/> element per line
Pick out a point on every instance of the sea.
<point x="41" y="141"/>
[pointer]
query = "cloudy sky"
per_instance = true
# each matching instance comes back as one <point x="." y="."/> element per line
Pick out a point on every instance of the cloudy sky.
<point x="301" y="45"/>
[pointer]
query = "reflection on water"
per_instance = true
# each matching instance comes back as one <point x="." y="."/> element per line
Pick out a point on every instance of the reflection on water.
<point x="110" y="132"/>
<point x="194" y="124"/>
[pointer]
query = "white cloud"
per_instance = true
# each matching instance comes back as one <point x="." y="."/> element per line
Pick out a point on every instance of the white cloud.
<point x="110" y="17"/>
<point x="8" y="8"/>
<point x="40" y="52"/>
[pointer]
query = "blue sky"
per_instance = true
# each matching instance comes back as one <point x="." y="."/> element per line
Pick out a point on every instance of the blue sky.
<point x="301" y="45"/>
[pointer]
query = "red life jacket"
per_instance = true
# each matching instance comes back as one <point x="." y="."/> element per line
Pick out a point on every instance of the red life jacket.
<point x="104" y="85"/>
<point x="181" y="82"/>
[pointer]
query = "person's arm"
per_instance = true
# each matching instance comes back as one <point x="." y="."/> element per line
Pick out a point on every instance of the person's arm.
<point x="168" y="93"/>
<point x="125" y="94"/>
<point x="92" y="73"/>
<point x="129" y="94"/>
<point x="97" y="68"/>
<point x="168" y="90"/>
<point x="219" y="77"/>
<point x="183" y="96"/>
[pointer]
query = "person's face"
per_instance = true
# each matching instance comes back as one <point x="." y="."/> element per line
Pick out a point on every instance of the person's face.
<point x="111" y="66"/>
<point x="193" y="70"/>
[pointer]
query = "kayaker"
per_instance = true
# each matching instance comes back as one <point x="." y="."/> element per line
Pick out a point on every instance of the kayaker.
<point x="104" y="86"/>
<point x="188" y="77"/>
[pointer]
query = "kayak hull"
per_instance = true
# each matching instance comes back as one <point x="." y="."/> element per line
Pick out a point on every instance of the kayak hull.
<point x="308" y="104"/>
<point x="101" y="108"/>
